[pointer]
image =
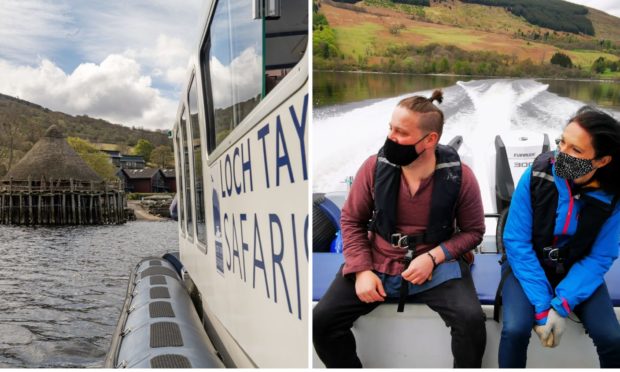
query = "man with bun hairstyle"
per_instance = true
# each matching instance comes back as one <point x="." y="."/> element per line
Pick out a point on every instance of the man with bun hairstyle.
<point x="426" y="216"/>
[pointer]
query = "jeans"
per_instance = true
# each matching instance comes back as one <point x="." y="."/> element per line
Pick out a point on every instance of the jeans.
<point x="455" y="300"/>
<point x="596" y="314"/>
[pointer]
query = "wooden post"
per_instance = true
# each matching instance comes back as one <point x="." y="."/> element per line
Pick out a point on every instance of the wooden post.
<point x="79" y="208"/>
<point x="30" y="201"/>
<point x="21" y="210"/>
<point x="53" y="208"/>
<point x="11" y="200"/>
<point x="107" y="204"/>
<point x="114" y="207"/>
<point x="100" y="209"/>
<point x="63" y="215"/>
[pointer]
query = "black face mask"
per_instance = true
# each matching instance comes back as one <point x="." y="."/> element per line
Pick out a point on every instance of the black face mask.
<point x="401" y="154"/>
<point x="570" y="167"/>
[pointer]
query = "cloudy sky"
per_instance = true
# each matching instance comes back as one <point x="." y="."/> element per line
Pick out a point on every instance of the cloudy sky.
<point x="608" y="6"/>
<point x="123" y="61"/>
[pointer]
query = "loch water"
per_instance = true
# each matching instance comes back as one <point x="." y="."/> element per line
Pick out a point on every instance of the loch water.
<point x="62" y="288"/>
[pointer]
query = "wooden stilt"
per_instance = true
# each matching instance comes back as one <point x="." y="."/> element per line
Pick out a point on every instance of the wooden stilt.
<point x="60" y="203"/>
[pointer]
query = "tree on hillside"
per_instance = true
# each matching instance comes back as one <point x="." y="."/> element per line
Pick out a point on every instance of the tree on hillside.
<point x="10" y="122"/>
<point x="599" y="66"/>
<point x="561" y="59"/>
<point x="162" y="156"/>
<point x="97" y="160"/>
<point x="144" y="149"/>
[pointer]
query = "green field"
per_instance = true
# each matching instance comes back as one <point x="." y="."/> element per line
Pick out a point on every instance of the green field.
<point x="585" y="58"/>
<point x="445" y="35"/>
<point x="357" y="41"/>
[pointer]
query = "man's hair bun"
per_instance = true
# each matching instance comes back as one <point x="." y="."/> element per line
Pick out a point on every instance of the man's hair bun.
<point x="437" y="96"/>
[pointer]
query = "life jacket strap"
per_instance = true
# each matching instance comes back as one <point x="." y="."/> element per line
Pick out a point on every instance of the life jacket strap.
<point x="399" y="240"/>
<point x="409" y="242"/>
<point x="404" y="284"/>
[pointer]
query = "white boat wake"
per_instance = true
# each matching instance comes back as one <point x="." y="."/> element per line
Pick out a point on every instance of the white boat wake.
<point x="478" y="110"/>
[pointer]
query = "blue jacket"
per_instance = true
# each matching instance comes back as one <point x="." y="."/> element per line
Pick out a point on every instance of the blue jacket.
<point x="584" y="277"/>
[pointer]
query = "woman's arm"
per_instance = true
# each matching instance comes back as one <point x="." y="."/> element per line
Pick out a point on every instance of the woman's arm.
<point x="586" y="275"/>
<point x="520" y="252"/>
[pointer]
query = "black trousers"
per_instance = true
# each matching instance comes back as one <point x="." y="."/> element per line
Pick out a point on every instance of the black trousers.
<point x="455" y="300"/>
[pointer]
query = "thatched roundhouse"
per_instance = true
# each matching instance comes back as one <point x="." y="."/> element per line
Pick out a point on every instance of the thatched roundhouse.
<point x="52" y="158"/>
<point x="52" y="185"/>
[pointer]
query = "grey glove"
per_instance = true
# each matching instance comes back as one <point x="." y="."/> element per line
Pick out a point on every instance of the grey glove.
<point x="545" y="342"/>
<point x="555" y="327"/>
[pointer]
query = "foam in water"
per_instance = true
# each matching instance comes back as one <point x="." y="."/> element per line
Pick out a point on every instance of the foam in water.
<point x="477" y="110"/>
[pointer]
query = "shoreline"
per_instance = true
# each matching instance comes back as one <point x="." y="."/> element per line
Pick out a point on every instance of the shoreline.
<point x="599" y="80"/>
<point x="141" y="213"/>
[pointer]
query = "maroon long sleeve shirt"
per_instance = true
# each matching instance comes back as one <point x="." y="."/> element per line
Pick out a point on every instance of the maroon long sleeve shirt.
<point x="366" y="251"/>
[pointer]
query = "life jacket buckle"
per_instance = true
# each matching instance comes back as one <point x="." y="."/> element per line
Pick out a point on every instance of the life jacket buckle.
<point x="399" y="240"/>
<point x="552" y="254"/>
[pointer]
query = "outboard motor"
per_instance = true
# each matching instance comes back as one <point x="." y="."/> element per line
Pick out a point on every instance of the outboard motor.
<point x="513" y="155"/>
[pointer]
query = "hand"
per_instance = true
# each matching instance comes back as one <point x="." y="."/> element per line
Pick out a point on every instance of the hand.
<point x="554" y="328"/>
<point x="368" y="287"/>
<point x="419" y="270"/>
<point x="545" y="342"/>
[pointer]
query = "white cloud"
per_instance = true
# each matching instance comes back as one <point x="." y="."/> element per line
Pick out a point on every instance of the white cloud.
<point x="159" y="34"/>
<point x="114" y="90"/>
<point x="121" y="61"/>
<point x="608" y="6"/>
<point x="246" y="83"/>
<point x="167" y="59"/>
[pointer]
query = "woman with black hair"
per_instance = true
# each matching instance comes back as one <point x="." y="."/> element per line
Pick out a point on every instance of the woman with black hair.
<point x="561" y="237"/>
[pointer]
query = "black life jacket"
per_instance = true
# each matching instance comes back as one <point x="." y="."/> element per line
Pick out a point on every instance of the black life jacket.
<point x="446" y="187"/>
<point x="544" y="198"/>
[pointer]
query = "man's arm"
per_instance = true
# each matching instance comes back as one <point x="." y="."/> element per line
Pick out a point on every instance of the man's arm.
<point x="355" y="215"/>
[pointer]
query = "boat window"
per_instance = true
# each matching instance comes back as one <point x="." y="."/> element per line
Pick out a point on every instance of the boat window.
<point x="286" y="39"/>
<point x="244" y="58"/>
<point x="180" y="185"/>
<point x="186" y="180"/>
<point x="232" y="65"/>
<point x="201" y="228"/>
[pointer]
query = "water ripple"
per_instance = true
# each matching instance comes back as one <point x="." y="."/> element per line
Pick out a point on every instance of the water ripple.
<point x="62" y="288"/>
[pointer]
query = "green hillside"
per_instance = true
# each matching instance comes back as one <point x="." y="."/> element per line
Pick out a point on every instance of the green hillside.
<point x="556" y="15"/>
<point x="22" y="123"/>
<point x="387" y="35"/>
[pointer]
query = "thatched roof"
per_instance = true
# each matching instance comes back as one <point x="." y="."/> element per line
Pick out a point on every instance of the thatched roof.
<point x="52" y="157"/>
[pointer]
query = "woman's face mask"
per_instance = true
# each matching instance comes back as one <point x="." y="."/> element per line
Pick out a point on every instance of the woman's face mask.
<point x="570" y="167"/>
